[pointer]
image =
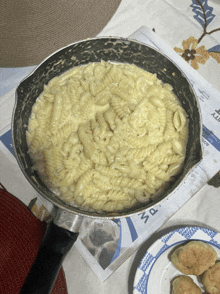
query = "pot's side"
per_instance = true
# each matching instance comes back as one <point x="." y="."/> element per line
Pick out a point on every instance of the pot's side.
<point x="95" y="50"/>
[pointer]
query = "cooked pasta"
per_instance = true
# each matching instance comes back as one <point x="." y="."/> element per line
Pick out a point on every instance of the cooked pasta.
<point x="108" y="136"/>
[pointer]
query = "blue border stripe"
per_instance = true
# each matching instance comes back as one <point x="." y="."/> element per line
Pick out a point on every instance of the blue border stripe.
<point x="210" y="137"/>
<point x="134" y="234"/>
<point x="118" y="249"/>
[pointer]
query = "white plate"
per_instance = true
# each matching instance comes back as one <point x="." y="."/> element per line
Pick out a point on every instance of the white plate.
<point x="155" y="271"/>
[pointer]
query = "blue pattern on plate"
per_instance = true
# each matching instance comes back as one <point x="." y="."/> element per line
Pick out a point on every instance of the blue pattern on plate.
<point x="146" y="261"/>
<point x="164" y="243"/>
<point x="188" y="232"/>
<point x="164" y="248"/>
<point x="167" y="237"/>
<point x="141" y="285"/>
<point x="210" y="233"/>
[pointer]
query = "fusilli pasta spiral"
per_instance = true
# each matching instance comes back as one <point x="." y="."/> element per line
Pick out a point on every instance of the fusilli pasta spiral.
<point x="108" y="135"/>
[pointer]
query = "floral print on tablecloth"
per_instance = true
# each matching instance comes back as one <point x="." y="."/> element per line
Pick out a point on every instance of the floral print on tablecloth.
<point x="191" y="50"/>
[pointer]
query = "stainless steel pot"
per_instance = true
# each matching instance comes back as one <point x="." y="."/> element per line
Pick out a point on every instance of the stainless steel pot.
<point x="68" y="218"/>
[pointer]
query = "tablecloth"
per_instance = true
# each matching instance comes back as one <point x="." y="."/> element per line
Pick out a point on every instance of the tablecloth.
<point x="192" y="29"/>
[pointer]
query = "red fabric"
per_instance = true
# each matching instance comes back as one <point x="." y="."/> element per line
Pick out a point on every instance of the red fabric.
<point x="20" y="237"/>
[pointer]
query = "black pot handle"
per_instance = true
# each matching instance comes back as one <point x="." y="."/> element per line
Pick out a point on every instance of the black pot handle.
<point x="55" y="245"/>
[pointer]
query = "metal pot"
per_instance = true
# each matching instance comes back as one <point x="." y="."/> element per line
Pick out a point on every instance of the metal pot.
<point x="68" y="218"/>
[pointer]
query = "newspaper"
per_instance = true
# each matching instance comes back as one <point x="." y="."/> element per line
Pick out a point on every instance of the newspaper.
<point x="106" y="244"/>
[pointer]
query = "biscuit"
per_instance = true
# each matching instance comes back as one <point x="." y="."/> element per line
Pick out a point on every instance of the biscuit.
<point x="211" y="279"/>
<point x="194" y="258"/>
<point x="183" y="285"/>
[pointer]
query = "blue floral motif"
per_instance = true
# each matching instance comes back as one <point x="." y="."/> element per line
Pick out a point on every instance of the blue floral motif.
<point x="203" y="12"/>
<point x="215" y="49"/>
